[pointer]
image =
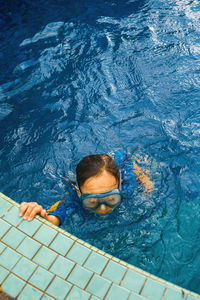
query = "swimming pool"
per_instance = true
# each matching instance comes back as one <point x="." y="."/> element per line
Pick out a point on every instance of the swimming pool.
<point x="89" y="77"/>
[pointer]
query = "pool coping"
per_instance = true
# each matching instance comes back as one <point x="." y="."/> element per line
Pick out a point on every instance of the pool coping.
<point x="147" y="283"/>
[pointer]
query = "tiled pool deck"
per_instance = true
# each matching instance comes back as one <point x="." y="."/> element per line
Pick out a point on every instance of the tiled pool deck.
<point x="41" y="261"/>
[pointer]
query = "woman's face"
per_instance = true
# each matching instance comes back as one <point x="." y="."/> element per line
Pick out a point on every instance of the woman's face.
<point x="101" y="183"/>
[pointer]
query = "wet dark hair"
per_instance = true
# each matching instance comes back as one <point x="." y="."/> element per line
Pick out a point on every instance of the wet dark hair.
<point x="93" y="165"/>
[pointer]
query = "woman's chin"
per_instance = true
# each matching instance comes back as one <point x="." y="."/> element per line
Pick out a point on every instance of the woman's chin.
<point x="103" y="214"/>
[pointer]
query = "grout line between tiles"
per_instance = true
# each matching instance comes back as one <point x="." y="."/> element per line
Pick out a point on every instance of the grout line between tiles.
<point x="123" y="277"/>
<point x="142" y="286"/>
<point x="53" y="239"/>
<point x="20" y="244"/>
<point x="66" y="278"/>
<point x="89" y="281"/>
<point x="5" y="213"/>
<point x="37" y="252"/>
<point x="21" y="289"/>
<point x="6" y="276"/>
<point x="3" y="249"/>
<point x="164" y="293"/>
<point x="50" y="282"/>
<point x="44" y="294"/>
<point x="104" y="268"/>
<point x="52" y="263"/>
<point x="69" y="292"/>
<point x="183" y="293"/>
<point x="69" y="249"/>
<point x="36" y="229"/>
<point x="87" y="259"/>
<point x="108" y="290"/>
<point x="5" y="234"/>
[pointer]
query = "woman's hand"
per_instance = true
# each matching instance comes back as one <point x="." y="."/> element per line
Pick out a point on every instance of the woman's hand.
<point x="143" y="177"/>
<point x="28" y="210"/>
<point x="148" y="184"/>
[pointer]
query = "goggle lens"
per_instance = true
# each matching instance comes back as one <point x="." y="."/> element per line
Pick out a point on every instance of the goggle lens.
<point x="91" y="202"/>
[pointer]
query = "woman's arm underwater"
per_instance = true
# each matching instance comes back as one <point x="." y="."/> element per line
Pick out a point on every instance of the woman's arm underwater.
<point x="143" y="177"/>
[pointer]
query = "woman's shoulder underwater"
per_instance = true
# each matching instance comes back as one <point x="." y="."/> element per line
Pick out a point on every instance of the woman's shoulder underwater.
<point x="125" y="164"/>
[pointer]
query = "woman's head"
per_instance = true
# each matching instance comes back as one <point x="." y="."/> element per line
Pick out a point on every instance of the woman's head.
<point x="98" y="173"/>
<point x="94" y="165"/>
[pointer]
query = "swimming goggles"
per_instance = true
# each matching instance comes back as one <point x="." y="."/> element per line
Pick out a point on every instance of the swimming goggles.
<point x="92" y="201"/>
<point x="111" y="199"/>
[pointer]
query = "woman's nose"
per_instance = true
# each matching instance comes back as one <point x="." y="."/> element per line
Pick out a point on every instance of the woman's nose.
<point x="103" y="207"/>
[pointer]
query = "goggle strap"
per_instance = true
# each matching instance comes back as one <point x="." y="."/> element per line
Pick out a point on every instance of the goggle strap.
<point x="120" y="180"/>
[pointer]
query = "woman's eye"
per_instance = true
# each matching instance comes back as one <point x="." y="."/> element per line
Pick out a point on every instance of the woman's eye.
<point x="112" y="200"/>
<point x="92" y="202"/>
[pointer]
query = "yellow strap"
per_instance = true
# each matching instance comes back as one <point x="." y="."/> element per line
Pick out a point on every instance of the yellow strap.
<point x="54" y="206"/>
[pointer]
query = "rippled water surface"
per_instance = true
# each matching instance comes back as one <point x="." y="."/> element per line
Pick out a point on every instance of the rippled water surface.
<point x="82" y="77"/>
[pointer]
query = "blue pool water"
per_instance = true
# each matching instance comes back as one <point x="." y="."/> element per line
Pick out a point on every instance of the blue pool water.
<point x="82" y="77"/>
